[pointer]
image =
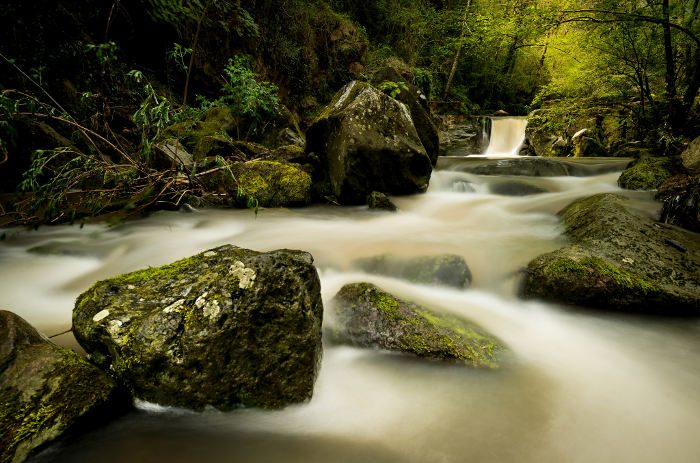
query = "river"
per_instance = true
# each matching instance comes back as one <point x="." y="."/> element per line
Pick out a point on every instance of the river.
<point x="580" y="386"/>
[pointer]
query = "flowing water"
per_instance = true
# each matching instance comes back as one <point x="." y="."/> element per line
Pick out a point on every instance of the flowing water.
<point x="580" y="386"/>
<point x="507" y="137"/>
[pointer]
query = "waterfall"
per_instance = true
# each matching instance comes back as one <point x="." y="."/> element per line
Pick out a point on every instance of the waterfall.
<point x="507" y="137"/>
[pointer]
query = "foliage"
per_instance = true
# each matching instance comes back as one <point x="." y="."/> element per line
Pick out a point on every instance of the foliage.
<point x="152" y="116"/>
<point x="393" y="89"/>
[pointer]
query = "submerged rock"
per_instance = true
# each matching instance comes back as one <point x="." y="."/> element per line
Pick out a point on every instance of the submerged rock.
<point x="47" y="392"/>
<point x="370" y="317"/>
<point x="226" y="327"/>
<point x="620" y="259"/>
<point x="513" y="188"/>
<point x="443" y="269"/>
<point x="366" y="141"/>
<point x="648" y="173"/>
<point x="377" y="200"/>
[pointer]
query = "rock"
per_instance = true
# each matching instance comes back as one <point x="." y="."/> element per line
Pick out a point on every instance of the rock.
<point x="587" y="147"/>
<point x="202" y="136"/>
<point x="175" y="155"/>
<point x="377" y="200"/>
<point x="366" y="142"/>
<point x="513" y="188"/>
<point x="417" y="104"/>
<point x="691" y="157"/>
<point x="218" y="145"/>
<point x="533" y="167"/>
<point x="619" y="260"/>
<point x="225" y="328"/>
<point x="462" y="136"/>
<point x="47" y="392"/>
<point x="443" y="269"/>
<point x="501" y="113"/>
<point x="370" y="317"/>
<point x="680" y="196"/>
<point x="648" y="174"/>
<point x="290" y="153"/>
<point x="262" y="184"/>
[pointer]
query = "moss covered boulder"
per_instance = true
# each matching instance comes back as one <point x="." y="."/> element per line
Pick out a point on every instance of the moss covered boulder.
<point x="443" y="269"/>
<point x="370" y="317"/>
<point x="691" y="157"/>
<point x="227" y="327"/>
<point x="620" y="259"/>
<point x="417" y="103"/>
<point x="366" y="141"/>
<point x="649" y="173"/>
<point x="261" y="183"/>
<point x="377" y="200"/>
<point x="47" y="392"/>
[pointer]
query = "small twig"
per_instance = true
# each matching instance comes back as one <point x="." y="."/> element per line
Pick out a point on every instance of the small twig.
<point x="62" y="333"/>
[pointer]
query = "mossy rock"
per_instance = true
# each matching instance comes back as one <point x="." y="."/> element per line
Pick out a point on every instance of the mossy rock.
<point x="649" y="173"/>
<point x="377" y="200"/>
<point x="366" y="141"/>
<point x="442" y="269"/>
<point x="620" y="259"/>
<point x="370" y="317"/>
<point x="47" y="392"/>
<point x="680" y="196"/>
<point x="261" y="184"/>
<point x="227" y="327"/>
<point x="204" y="136"/>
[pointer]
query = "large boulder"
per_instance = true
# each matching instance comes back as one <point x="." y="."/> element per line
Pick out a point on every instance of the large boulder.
<point x="370" y="317"/>
<point x="366" y="141"/>
<point x="443" y="269"/>
<point x="648" y="173"/>
<point x="462" y="136"/>
<point x="226" y="327"/>
<point x="47" y="392"/>
<point x="620" y="259"/>
<point x="417" y="104"/>
<point x="691" y="157"/>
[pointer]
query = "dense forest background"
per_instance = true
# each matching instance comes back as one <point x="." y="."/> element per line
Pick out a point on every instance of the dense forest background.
<point x="102" y="81"/>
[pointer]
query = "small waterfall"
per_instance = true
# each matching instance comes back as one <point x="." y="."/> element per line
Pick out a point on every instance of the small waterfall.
<point x="507" y="137"/>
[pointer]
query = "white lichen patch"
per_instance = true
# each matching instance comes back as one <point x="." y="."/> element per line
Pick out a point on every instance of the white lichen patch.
<point x="209" y="254"/>
<point x="201" y="300"/>
<point x="130" y="287"/>
<point x="174" y="306"/>
<point x="114" y="327"/>
<point x="99" y="316"/>
<point x="246" y="276"/>
<point x="212" y="309"/>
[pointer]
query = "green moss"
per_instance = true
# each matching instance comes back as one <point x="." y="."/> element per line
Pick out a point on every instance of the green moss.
<point x="273" y="184"/>
<point x="647" y="174"/>
<point x="597" y="270"/>
<point x="342" y="99"/>
<point x="386" y="303"/>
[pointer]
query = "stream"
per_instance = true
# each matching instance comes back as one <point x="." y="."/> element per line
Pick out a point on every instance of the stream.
<point x="580" y="386"/>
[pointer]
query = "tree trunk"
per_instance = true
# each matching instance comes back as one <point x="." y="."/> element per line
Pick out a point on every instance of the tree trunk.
<point x="668" y="53"/>
<point x="458" y="55"/>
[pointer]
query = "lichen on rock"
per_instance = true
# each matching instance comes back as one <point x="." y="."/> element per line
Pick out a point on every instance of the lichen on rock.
<point x="227" y="327"/>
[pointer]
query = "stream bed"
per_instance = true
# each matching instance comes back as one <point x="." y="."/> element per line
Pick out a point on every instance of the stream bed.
<point x="581" y="386"/>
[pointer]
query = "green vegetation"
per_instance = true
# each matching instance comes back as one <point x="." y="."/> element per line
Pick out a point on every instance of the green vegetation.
<point x="85" y="89"/>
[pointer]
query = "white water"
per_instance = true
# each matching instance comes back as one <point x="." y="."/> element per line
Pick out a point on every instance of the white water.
<point x="579" y="387"/>
<point x="507" y="137"/>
